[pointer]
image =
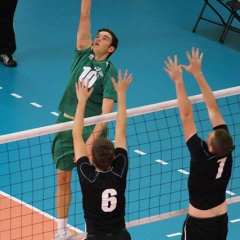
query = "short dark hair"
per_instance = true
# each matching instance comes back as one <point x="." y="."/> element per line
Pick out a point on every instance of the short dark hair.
<point x="222" y="143"/>
<point x="103" y="153"/>
<point x="114" y="42"/>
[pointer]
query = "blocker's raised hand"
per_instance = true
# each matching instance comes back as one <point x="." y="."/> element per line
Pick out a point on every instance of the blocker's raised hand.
<point x="82" y="91"/>
<point x="173" y="69"/>
<point x="123" y="83"/>
<point x="195" y="62"/>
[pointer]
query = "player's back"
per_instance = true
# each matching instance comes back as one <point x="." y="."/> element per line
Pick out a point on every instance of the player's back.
<point x="104" y="195"/>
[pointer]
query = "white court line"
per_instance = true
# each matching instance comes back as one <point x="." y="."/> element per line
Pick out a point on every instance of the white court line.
<point x="230" y="193"/>
<point x="139" y="152"/>
<point x="36" y="104"/>
<point x="1" y="88"/>
<point x="55" y="113"/>
<point x="235" y="220"/>
<point x="16" y="95"/>
<point x="36" y="210"/>
<point x="161" y="161"/>
<point x="174" y="234"/>
<point x="183" y="171"/>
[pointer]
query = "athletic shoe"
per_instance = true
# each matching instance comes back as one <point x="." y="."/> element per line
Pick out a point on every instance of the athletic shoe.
<point x="65" y="236"/>
<point x="8" y="60"/>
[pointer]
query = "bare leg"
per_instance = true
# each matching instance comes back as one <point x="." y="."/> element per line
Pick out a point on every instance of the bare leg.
<point x="64" y="193"/>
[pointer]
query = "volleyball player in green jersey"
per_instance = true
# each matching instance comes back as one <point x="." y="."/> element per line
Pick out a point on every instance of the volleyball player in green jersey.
<point x="90" y="64"/>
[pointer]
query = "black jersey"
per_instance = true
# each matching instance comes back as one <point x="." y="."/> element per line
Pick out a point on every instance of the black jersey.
<point x="104" y="194"/>
<point x="209" y="175"/>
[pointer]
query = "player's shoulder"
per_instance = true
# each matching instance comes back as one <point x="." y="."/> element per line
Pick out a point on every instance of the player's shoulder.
<point x="110" y="72"/>
<point x="119" y="150"/>
<point x="194" y="140"/>
<point x="81" y="160"/>
<point x="110" y="65"/>
<point x="82" y="52"/>
<point x="221" y="126"/>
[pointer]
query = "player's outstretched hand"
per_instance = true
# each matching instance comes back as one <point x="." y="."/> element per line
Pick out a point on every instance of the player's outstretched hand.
<point x="123" y="83"/>
<point x="173" y="69"/>
<point x="82" y="91"/>
<point x="195" y="62"/>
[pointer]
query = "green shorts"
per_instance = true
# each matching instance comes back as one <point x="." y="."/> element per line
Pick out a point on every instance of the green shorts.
<point x="62" y="146"/>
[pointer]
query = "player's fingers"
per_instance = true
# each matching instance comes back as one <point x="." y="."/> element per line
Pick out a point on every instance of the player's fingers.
<point x="87" y="83"/>
<point x="119" y="75"/>
<point x="197" y="52"/>
<point x="175" y="60"/>
<point x="130" y="77"/>
<point x="113" y="81"/>
<point x="166" y="70"/>
<point x="81" y="83"/>
<point x="183" y="66"/>
<point x="188" y="56"/>
<point x="193" y="51"/>
<point x="90" y="91"/>
<point x="167" y="64"/>
<point x="170" y="61"/>
<point x="125" y="75"/>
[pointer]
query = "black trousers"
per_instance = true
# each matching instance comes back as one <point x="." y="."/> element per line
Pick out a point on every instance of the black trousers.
<point x="215" y="228"/>
<point x="123" y="235"/>
<point x="7" y="35"/>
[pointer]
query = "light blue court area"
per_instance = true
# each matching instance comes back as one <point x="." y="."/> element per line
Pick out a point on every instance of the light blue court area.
<point x="158" y="171"/>
<point x="148" y="31"/>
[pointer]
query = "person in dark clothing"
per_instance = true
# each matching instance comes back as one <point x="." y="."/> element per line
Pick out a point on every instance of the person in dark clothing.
<point x="104" y="183"/>
<point x="7" y="34"/>
<point x="211" y="160"/>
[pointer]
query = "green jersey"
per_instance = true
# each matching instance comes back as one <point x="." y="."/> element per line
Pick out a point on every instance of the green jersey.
<point x="99" y="74"/>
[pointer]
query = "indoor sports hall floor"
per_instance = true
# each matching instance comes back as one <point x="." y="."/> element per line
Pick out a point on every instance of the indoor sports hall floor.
<point x="148" y="31"/>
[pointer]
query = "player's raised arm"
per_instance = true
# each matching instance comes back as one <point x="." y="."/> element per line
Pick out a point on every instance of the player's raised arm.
<point x="185" y="108"/>
<point x="84" y="30"/>
<point x="121" y="121"/>
<point x="82" y="94"/>
<point x="194" y="68"/>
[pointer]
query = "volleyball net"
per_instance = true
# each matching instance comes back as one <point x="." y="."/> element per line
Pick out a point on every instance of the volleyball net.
<point x="158" y="168"/>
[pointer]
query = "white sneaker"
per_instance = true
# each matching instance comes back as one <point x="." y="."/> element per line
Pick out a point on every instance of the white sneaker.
<point x="65" y="236"/>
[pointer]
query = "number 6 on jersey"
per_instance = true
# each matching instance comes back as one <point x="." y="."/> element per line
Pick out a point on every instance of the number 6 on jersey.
<point x="109" y="201"/>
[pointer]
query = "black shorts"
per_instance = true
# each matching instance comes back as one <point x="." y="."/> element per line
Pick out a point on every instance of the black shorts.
<point x="123" y="235"/>
<point x="215" y="228"/>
